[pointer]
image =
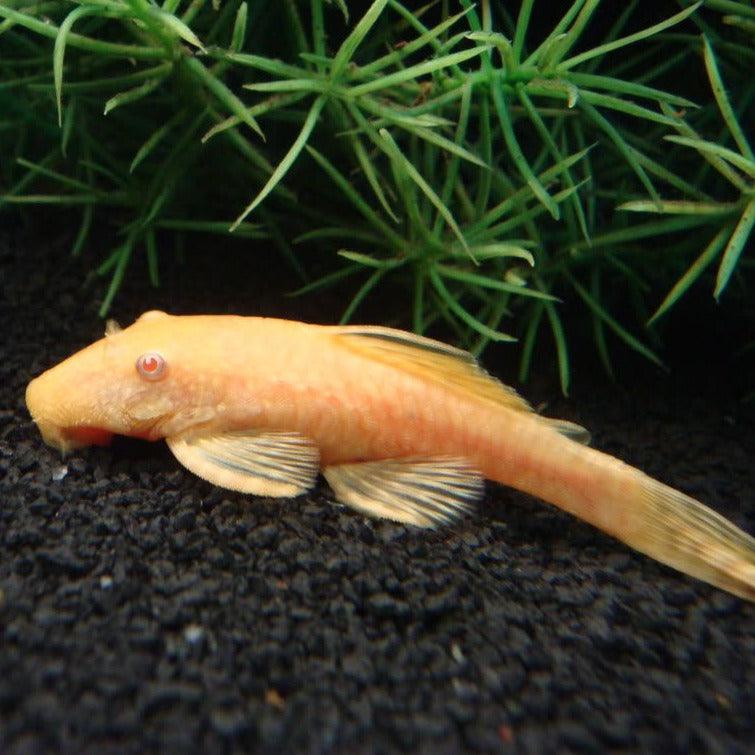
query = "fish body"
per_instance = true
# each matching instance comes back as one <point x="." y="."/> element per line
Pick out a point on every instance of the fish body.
<point x="402" y="427"/>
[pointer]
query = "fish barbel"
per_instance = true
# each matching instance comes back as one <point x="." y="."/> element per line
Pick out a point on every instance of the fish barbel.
<point x="401" y="426"/>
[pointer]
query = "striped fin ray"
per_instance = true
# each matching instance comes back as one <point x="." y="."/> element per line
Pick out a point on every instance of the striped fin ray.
<point x="423" y="492"/>
<point x="441" y="363"/>
<point x="250" y="461"/>
<point x="433" y="360"/>
<point x="681" y="532"/>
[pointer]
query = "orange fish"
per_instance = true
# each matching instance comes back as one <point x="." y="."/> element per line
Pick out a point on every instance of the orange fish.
<point x="402" y="427"/>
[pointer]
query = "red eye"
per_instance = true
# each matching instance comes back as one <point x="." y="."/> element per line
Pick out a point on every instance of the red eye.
<point x="150" y="366"/>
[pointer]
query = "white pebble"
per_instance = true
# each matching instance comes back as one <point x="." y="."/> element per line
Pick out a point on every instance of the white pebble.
<point x="193" y="634"/>
<point x="456" y="653"/>
<point x="59" y="473"/>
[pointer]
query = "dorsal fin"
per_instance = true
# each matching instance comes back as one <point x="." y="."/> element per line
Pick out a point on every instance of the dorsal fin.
<point x="435" y="360"/>
<point x="112" y="327"/>
<point x="570" y="430"/>
<point x="431" y="359"/>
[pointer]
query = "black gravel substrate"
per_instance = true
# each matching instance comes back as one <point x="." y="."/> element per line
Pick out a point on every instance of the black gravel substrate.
<point x="143" y="610"/>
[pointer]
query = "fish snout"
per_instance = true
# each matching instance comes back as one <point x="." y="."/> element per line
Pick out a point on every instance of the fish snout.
<point x="54" y="433"/>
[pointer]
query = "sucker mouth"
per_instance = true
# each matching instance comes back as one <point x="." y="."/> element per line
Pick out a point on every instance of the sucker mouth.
<point x="66" y="439"/>
<point x="83" y="435"/>
<point x="51" y="434"/>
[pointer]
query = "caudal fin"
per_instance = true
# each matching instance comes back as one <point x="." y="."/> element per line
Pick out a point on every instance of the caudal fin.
<point x="681" y="532"/>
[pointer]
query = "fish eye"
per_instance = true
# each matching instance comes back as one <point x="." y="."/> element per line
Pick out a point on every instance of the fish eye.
<point x="150" y="366"/>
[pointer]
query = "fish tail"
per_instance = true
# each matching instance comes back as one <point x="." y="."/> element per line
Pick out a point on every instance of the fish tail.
<point x="624" y="502"/>
<point x="681" y="532"/>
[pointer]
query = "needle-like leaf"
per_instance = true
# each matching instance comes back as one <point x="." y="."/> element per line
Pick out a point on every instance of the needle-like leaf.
<point x="60" y="50"/>
<point x="734" y="248"/>
<point x="719" y="92"/>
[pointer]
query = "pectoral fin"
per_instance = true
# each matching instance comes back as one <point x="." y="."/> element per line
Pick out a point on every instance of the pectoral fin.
<point x="422" y="492"/>
<point x="272" y="464"/>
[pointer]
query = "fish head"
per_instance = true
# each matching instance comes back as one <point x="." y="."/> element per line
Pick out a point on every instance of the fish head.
<point x="139" y="381"/>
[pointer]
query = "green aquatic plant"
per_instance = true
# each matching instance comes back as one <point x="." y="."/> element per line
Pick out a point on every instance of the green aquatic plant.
<point x="731" y="221"/>
<point x="484" y="164"/>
